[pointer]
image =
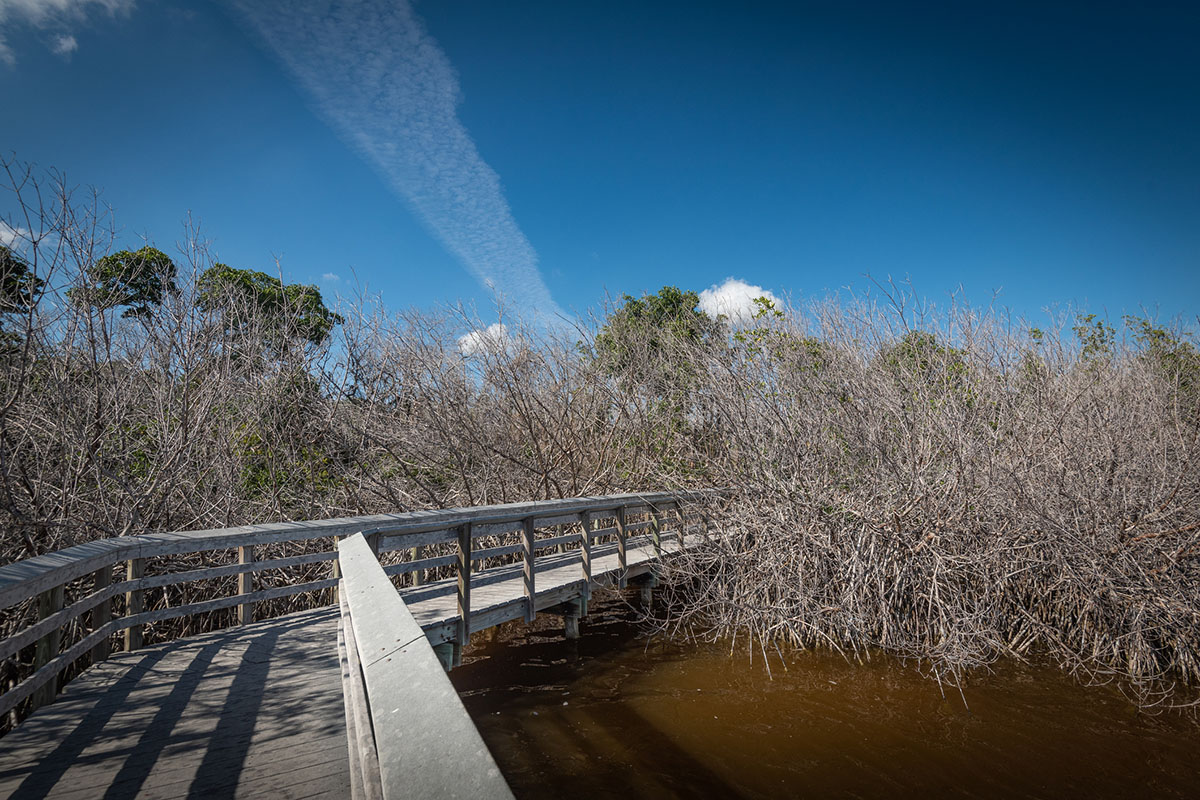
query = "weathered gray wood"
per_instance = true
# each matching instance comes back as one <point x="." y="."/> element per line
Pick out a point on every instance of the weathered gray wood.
<point x="245" y="611"/>
<point x="205" y="606"/>
<point x="18" y="580"/>
<point x="360" y="736"/>
<point x="418" y="574"/>
<point x="208" y="573"/>
<point x="585" y="553"/>
<point x="528" y="569"/>
<point x="57" y="620"/>
<point x="102" y="611"/>
<point x="656" y="530"/>
<point x="24" y="579"/>
<point x="556" y="541"/>
<point x="13" y="697"/>
<point x="545" y="521"/>
<point x="493" y="552"/>
<point x="135" y="600"/>
<point x="462" y="572"/>
<point x="621" y="546"/>
<point x="405" y="567"/>
<point x="427" y="744"/>
<point x="50" y="602"/>
<point x="247" y="712"/>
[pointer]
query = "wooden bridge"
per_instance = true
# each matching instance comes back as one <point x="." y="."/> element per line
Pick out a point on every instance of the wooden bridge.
<point x="344" y="698"/>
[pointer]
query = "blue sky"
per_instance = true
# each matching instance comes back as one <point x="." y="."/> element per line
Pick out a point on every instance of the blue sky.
<point x="557" y="151"/>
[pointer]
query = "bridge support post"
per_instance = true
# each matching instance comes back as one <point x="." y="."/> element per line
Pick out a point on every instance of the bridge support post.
<point x="49" y="602"/>
<point x="101" y="613"/>
<point x="445" y="654"/>
<point x="570" y="611"/>
<point x="135" y="602"/>
<point x="646" y="584"/>
<point x="245" y="612"/>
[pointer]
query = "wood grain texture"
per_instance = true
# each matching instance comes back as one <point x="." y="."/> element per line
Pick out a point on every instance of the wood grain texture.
<point x="257" y="710"/>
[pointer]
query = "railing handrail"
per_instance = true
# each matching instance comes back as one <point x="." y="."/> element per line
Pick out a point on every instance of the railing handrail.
<point x="23" y="579"/>
<point x="46" y="576"/>
<point x="409" y="734"/>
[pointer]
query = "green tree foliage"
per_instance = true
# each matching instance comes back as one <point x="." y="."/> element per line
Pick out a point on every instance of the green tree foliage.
<point x="139" y="280"/>
<point x="1172" y="356"/>
<point x="1096" y="337"/>
<point x="281" y="313"/>
<point x="19" y="287"/>
<point x="640" y="340"/>
<point x="918" y="360"/>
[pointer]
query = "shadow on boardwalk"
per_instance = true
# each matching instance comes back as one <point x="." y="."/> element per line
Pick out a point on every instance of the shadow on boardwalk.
<point x="246" y="712"/>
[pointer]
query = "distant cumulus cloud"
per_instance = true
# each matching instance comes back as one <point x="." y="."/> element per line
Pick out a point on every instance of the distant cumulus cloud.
<point x="10" y="236"/>
<point x="734" y="299"/>
<point x="64" y="15"/>
<point x="65" y="45"/>
<point x="491" y="339"/>
<point x="331" y="277"/>
<point x="388" y="89"/>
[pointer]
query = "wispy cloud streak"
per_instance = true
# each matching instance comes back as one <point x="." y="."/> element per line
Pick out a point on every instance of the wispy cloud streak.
<point x="383" y="83"/>
<point x="65" y="15"/>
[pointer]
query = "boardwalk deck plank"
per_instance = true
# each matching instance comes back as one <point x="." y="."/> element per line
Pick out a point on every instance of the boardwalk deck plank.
<point x="251" y="711"/>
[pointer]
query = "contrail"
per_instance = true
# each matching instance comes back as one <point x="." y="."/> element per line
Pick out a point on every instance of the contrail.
<point x="385" y="86"/>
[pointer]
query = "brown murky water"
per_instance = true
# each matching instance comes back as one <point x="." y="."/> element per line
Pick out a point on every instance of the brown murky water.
<point x="615" y="715"/>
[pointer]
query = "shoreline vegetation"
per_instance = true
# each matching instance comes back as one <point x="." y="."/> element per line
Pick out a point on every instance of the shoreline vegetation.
<point x="952" y="486"/>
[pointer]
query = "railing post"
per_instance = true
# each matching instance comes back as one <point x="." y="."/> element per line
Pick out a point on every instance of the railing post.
<point x="135" y="602"/>
<point x="463" y="568"/>
<point x="681" y="526"/>
<point x="335" y="572"/>
<point x="418" y="578"/>
<point x="49" y="602"/>
<point x="656" y="529"/>
<point x="585" y="554"/>
<point x="527" y="555"/>
<point x="102" y="612"/>
<point x="622" y="559"/>
<point x="245" y="612"/>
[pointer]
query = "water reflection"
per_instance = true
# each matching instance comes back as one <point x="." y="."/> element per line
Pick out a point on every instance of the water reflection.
<point x="615" y="715"/>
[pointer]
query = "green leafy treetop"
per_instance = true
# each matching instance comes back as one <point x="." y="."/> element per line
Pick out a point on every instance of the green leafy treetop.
<point x="19" y="287"/>
<point x="139" y="280"/>
<point x="284" y="313"/>
<point x="641" y="340"/>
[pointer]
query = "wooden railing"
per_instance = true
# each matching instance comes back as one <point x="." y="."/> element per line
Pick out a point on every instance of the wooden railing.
<point x="63" y="602"/>
<point x="409" y="734"/>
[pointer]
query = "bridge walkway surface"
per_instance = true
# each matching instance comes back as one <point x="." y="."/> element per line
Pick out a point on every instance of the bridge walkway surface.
<point x="256" y="710"/>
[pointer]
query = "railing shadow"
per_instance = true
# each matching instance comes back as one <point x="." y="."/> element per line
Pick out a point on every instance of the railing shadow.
<point x="46" y="774"/>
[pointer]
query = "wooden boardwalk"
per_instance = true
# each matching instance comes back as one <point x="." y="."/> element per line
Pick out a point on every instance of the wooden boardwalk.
<point x="253" y="711"/>
<point x="257" y="710"/>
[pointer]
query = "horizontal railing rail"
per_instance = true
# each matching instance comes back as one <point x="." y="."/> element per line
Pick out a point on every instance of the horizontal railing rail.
<point x="87" y="570"/>
<point x="408" y="733"/>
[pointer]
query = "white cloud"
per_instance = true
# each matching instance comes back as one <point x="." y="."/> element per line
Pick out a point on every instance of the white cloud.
<point x="383" y="83"/>
<point x="492" y="339"/>
<point x="64" y="45"/>
<point x="42" y="14"/>
<point x="331" y="277"/>
<point x="10" y="236"/>
<point x="734" y="299"/>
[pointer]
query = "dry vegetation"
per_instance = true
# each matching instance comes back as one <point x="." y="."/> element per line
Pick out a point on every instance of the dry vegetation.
<point x="948" y="486"/>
